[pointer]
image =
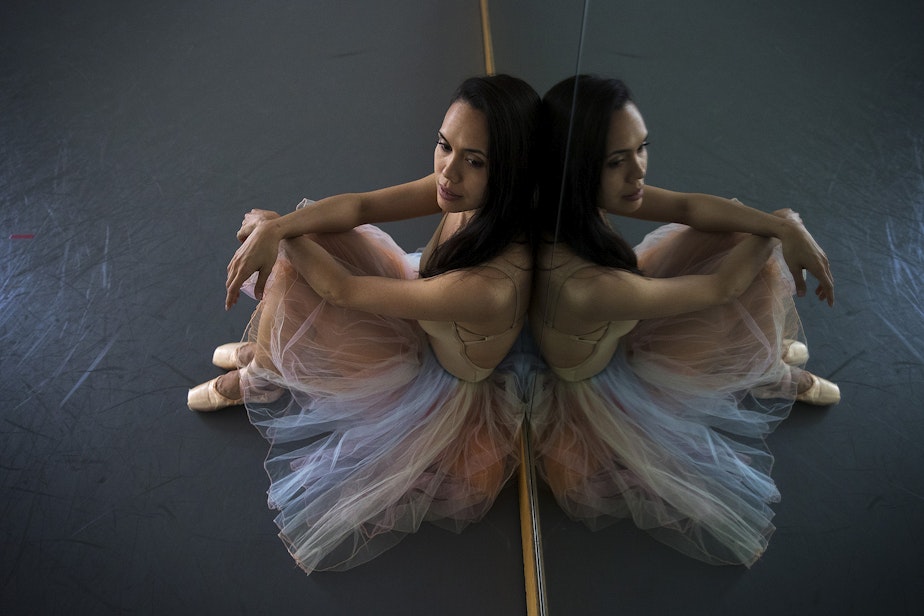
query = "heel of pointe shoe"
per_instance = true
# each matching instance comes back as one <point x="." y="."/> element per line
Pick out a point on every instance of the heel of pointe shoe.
<point x="822" y="392"/>
<point x="206" y="398"/>
<point x="226" y="356"/>
<point x="795" y="353"/>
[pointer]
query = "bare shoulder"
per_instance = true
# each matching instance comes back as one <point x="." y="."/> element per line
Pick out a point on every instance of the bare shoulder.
<point x="502" y="284"/>
<point x="584" y="291"/>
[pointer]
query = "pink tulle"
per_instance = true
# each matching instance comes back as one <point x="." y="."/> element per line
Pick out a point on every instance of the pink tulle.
<point x="670" y="432"/>
<point x="369" y="436"/>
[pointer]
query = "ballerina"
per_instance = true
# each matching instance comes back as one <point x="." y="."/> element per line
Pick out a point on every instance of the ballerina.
<point x="668" y="364"/>
<point x="384" y="394"/>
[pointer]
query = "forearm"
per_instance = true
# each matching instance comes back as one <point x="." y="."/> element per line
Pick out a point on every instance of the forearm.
<point x="711" y="214"/>
<point x="619" y="295"/>
<point x="716" y="214"/>
<point x="331" y="215"/>
<point x="347" y="211"/>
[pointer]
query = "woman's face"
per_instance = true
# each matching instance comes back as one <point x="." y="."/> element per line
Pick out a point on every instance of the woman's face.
<point x="460" y="160"/>
<point x="625" y="163"/>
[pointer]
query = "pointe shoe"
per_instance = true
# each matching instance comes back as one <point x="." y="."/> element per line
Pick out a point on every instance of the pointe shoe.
<point x="795" y="353"/>
<point x="206" y="398"/>
<point x="821" y="393"/>
<point x="226" y="356"/>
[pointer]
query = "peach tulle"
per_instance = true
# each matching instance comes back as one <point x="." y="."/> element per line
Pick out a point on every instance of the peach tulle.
<point x="370" y="436"/>
<point x="671" y="432"/>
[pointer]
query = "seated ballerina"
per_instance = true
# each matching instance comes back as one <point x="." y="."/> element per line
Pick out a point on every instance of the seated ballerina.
<point x="668" y="368"/>
<point x="385" y="396"/>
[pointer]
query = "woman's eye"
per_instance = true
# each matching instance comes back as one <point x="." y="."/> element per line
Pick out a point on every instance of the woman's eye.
<point x="643" y="147"/>
<point x="474" y="162"/>
<point x="443" y="146"/>
<point x="614" y="163"/>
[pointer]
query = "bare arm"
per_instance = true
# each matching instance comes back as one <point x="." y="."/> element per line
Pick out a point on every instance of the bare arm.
<point x="476" y="295"/>
<point x="620" y="296"/>
<point x="262" y="231"/>
<point x="715" y="214"/>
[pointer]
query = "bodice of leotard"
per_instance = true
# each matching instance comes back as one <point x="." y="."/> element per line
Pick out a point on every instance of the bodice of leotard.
<point x="553" y="270"/>
<point x="452" y="343"/>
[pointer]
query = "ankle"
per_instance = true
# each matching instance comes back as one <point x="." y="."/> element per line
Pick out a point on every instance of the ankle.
<point x="229" y="385"/>
<point x="805" y="382"/>
<point x="245" y="354"/>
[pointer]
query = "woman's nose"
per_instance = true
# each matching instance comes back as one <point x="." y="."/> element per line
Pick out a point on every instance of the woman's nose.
<point x="451" y="170"/>
<point x="637" y="170"/>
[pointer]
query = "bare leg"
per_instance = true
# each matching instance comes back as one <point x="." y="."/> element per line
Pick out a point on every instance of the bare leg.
<point x="341" y="329"/>
<point x="260" y="344"/>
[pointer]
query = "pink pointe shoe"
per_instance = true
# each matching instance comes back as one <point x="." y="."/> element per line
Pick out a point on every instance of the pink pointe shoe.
<point x="795" y="353"/>
<point x="821" y="393"/>
<point x="206" y="398"/>
<point x="226" y="356"/>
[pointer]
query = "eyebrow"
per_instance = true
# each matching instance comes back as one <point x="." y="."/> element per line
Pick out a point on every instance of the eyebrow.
<point x="472" y="150"/>
<point x="627" y="149"/>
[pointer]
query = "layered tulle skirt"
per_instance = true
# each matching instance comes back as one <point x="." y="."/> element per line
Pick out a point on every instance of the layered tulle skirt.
<point x="369" y="436"/>
<point x="670" y="433"/>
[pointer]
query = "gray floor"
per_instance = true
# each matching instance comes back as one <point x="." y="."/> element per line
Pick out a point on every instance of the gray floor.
<point x="134" y="135"/>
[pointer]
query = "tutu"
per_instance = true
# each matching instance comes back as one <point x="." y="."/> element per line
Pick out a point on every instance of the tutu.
<point x="368" y="435"/>
<point x="671" y="432"/>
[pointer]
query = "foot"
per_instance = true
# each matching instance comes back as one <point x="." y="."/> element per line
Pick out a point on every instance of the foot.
<point x="233" y="355"/>
<point x="795" y="353"/>
<point x="817" y="391"/>
<point x="219" y="393"/>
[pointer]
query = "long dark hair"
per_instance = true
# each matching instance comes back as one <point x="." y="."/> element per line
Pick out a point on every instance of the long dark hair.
<point x="576" y="116"/>
<point x="511" y="107"/>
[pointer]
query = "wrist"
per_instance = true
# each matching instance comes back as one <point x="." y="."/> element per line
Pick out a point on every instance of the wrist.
<point x="786" y="229"/>
<point x="272" y="228"/>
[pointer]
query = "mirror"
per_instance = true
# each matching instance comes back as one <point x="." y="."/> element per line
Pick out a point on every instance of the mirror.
<point x="730" y="93"/>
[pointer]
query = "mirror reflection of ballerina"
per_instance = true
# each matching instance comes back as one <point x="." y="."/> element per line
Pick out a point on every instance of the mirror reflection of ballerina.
<point x="668" y="364"/>
<point x="386" y="396"/>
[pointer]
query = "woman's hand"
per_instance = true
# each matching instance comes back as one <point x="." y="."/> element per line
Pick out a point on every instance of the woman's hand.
<point x="260" y="236"/>
<point x="251" y="219"/>
<point x="802" y="252"/>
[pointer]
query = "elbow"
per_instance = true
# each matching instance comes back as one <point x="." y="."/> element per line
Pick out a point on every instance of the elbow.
<point x="731" y="295"/>
<point x="728" y="291"/>
<point x="336" y="294"/>
<point x="334" y="291"/>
